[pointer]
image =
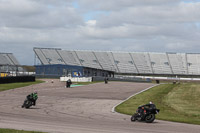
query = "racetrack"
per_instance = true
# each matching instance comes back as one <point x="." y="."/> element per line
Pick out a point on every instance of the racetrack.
<point x="83" y="109"/>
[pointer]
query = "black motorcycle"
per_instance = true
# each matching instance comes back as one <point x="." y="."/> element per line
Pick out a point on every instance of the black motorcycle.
<point x="145" y="113"/>
<point x="28" y="102"/>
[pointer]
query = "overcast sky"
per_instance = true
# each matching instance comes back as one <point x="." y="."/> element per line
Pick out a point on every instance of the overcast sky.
<point x="100" y="25"/>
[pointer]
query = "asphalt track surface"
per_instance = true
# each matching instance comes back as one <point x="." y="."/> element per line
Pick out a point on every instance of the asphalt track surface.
<point x="83" y="109"/>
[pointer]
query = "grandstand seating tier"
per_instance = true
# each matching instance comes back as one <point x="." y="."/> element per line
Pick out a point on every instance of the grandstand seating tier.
<point x="123" y="62"/>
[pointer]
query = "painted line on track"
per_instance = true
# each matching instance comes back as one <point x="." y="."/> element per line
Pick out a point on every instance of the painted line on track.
<point x="113" y="109"/>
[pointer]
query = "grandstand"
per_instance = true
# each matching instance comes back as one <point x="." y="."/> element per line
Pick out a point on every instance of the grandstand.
<point x="95" y="63"/>
<point x="9" y="66"/>
<point x="57" y="62"/>
<point x="11" y="71"/>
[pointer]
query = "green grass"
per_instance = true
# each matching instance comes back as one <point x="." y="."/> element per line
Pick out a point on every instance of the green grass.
<point x="16" y="131"/>
<point x="178" y="102"/>
<point x="4" y="87"/>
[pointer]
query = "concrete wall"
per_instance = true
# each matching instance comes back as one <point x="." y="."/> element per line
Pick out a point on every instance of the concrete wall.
<point x="77" y="79"/>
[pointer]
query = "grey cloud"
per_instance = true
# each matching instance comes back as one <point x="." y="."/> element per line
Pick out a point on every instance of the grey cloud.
<point x="156" y="15"/>
<point x="110" y="5"/>
<point x="52" y="37"/>
<point x="128" y="31"/>
<point x="18" y="7"/>
<point x="55" y="2"/>
<point x="124" y="25"/>
<point x="124" y="31"/>
<point x="32" y="14"/>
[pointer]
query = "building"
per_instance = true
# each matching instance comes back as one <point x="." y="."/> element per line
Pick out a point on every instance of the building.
<point x="94" y="63"/>
<point x="57" y="63"/>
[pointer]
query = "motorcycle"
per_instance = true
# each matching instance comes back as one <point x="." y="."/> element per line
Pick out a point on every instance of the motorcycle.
<point x="145" y="113"/>
<point x="28" y="102"/>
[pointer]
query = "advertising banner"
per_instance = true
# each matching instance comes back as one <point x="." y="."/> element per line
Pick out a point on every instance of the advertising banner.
<point x="76" y="74"/>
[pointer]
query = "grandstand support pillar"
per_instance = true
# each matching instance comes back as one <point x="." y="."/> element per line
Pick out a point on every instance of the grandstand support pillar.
<point x="78" y="58"/>
<point x="150" y="63"/>
<point x="38" y="57"/>
<point x="114" y="62"/>
<point x="7" y="68"/>
<point x="35" y="59"/>
<point x="10" y="58"/>
<point x="16" y="70"/>
<point x="134" y="63"/>
<point x="45" y="56"/>
<point x="97" y="60"/>
<point x="186" y="63"/>
<point x="169" y="63"/>
<point x="61" y="56"/>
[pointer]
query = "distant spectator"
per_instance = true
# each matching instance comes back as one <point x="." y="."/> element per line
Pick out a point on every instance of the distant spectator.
<point x="158" y="81"/>
<point x="106" y="80"/>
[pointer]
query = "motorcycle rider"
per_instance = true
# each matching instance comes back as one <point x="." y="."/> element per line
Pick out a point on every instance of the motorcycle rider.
<point x="151" y="105"/>
<point x="148" y="106"/>
<point x="32" y="97"/>
<point x="145" y="113"/>
<point x="68" y="83"/>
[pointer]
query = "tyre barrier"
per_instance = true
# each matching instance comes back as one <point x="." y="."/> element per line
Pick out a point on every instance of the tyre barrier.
<point x="4" y="80"/>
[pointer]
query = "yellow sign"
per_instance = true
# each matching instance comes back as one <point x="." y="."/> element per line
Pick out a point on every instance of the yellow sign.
<point x="75" y="73"/>
<point x="4" y="74"/>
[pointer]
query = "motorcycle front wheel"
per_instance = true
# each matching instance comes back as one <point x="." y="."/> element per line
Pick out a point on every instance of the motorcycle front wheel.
<point x="150" y="118"/>
<point x="133" y="117"/>
<point x="27" y="104"/>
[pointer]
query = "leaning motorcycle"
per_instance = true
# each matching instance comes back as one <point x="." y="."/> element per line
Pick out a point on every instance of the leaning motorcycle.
<point x="145" y="114"/>
<point x="27" y="103"/>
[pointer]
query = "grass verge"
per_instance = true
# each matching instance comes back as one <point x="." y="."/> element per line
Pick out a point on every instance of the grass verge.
<point x="16" y="131"/>
<point x="4" y="87"/>
<point x="177" y="102"/>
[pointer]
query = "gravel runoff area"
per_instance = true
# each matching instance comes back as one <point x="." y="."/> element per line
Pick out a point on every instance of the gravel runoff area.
<point x="83" y="109"/>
